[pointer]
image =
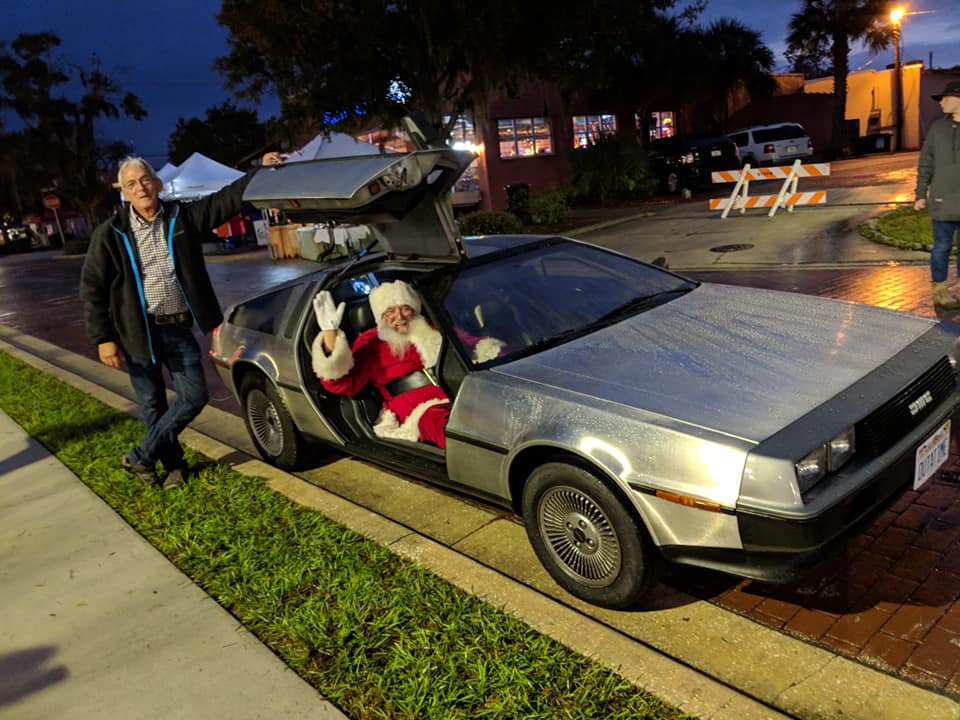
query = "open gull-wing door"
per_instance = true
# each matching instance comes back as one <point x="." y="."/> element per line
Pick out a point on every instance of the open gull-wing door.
<point x="403" y="198"/>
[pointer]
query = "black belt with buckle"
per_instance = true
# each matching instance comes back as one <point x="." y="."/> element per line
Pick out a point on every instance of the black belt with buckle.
<point x="408" y="382"/>
<point x="180" y="318"/>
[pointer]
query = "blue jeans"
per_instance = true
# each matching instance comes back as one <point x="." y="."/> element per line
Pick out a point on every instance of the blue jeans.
<point x="943" y="233"/>
<point x="176" y="349"/>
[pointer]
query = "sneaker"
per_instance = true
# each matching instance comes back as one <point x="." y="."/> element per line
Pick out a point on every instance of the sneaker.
<point x="146" y="473"/>
<point x="175" y="478"/>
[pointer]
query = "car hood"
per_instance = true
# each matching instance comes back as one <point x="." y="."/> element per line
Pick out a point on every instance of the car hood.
<point x="740" y="361"/>
<point x="402" y="197"/>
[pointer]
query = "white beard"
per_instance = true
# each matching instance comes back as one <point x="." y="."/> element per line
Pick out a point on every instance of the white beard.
<point x="425" y="338"/>
<point x="399" y="342"/>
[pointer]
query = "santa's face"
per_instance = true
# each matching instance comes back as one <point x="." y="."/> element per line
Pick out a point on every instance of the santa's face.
<point x="398" y="318"/>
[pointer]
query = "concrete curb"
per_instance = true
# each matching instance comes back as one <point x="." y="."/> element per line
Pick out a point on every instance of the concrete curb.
<point x="729" y="667"/>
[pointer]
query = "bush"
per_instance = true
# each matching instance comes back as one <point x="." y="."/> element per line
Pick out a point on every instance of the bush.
<point x="612" y="169"/>
<point x="490" y="222"/>
<point x="75" y="245"/>
<point x="548" y="207"/>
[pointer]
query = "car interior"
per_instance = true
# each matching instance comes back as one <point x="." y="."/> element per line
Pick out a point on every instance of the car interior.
<point x="356" y="415"/>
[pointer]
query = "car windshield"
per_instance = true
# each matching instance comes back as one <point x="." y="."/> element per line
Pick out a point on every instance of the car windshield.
<point x="545" y="294"/>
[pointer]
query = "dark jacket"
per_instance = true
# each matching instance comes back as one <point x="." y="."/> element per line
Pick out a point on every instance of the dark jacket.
<point x="939" y="170"/>
<point x="111" y="286"/>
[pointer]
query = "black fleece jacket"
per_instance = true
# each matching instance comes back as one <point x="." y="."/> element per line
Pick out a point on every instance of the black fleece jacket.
<point x="111" y="285"/>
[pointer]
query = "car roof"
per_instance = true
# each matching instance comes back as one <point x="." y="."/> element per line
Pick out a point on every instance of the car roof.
<point x="767" y="127"/>
<point x="401" y="197"/>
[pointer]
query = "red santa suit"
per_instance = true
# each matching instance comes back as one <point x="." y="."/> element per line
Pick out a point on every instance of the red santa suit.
<point x="381" y="355"/>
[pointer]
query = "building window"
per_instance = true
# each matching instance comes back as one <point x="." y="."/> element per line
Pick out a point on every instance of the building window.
<point x="661" y="125"/>
<point x="525" y="137"/>
<point x="463" y="136"/>
<point x="587" y="129"/>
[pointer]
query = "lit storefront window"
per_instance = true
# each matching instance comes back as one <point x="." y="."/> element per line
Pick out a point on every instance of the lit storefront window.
<point x="661" y="125"/>
<point x="588" y="129"/>
<point x="524" y="137"/>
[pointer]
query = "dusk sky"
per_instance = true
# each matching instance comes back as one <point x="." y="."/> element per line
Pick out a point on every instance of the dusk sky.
<point x="163" y="52"/>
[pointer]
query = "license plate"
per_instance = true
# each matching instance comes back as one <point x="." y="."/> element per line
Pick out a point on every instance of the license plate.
<point x="931" y="455"/>
<point x="716" y="153"/>
<point x="791" y="148"/>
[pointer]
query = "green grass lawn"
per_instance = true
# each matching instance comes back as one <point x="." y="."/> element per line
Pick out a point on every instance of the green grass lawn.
<point x="376" y="634"/>
<point x="903" y="228"/>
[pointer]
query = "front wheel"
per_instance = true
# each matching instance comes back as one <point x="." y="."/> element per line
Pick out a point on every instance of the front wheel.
<point x="269" y="423"/>
<point x="585" y="537"/>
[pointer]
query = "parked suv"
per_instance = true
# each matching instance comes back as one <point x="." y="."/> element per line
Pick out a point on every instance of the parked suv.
<point x="772" y="144"/>
<point x="687" y="161"/>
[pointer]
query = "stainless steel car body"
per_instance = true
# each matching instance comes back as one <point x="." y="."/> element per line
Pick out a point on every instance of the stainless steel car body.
<point x="694" y="411"/>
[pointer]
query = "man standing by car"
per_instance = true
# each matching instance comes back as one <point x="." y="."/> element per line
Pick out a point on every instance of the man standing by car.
<point x="938" y="190"/>
<point x="144" y="285"/>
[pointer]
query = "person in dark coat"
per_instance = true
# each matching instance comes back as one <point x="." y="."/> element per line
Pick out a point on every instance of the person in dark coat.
<point x="144" y="286"/>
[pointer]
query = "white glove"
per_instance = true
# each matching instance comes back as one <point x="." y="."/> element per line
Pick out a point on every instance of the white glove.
<point x="328" y="316"/>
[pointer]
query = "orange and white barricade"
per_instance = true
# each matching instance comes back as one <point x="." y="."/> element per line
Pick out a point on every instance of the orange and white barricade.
<point x="788" y="196"/>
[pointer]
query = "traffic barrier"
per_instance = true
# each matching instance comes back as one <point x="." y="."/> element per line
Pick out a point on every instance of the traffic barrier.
<point x="788" y="196"/>
<point x="817" y="197"/>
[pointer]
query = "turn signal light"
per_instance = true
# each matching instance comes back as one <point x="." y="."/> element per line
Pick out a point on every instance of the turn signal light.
<point x="688" y="501"/>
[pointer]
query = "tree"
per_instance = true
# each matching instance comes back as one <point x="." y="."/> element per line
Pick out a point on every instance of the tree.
<point x="730" y="56"/>
<point x="346" y="61"/>
<point x="227" y="134"/>
<point x="825" y="29"/>
<point x="57" y="147"/>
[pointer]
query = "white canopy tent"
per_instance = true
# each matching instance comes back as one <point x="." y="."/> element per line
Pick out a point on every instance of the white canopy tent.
<point x="333" y="145"/>
<point x="196" y="177"/>
<point x="167" y="172"/>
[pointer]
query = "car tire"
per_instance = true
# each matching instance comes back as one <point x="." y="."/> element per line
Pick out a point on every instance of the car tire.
<point x="585" y="537"/>
<point x="749" y="160"/>
<point x="269" y="423"/>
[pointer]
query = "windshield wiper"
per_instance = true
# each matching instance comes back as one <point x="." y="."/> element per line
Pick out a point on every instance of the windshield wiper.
<point x="637" y="303"/>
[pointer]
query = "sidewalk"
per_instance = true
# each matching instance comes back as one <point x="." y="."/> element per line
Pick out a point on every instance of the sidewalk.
<point x="96" y="623"/>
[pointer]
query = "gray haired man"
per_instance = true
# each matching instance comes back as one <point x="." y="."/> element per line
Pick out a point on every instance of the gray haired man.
<point x="144" y="286"/>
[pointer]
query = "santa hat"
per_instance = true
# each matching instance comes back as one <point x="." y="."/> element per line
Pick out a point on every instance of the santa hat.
<point x="390" y="294"/>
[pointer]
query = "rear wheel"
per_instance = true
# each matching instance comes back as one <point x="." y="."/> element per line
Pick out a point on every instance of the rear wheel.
<point x="269" y="423"/>
<point x="586" y="539"/>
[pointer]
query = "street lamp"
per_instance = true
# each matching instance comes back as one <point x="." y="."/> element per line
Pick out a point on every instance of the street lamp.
<point x="896" y="15"/>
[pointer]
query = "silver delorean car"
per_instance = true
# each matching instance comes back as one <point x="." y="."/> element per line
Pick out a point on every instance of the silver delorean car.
<point x="633" y="415"/>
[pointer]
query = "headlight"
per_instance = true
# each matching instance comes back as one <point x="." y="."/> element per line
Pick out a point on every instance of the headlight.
<point x="812" y="468"/>
<point x="828" y="457"/>
<point x="687" y="159"/>
<point x="841" y="449"/>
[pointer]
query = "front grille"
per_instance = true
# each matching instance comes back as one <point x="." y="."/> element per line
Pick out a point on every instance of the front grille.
<point x="887" y="424"/>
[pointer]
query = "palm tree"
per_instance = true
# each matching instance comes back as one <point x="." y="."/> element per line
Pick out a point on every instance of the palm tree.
<point x="826" y="28"/>
<point x="731" y="55"/>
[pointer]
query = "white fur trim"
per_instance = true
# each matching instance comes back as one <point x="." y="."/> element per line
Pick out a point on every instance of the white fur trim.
<point x="391" y="294"/>
<point x="426" y="339"/>
<point x="487" y="349"/>
<point x="335" y="365"/>
<point x="388" y="427"/>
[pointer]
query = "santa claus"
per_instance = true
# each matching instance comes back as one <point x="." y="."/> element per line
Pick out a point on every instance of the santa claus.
<point x="393" y="356"/>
